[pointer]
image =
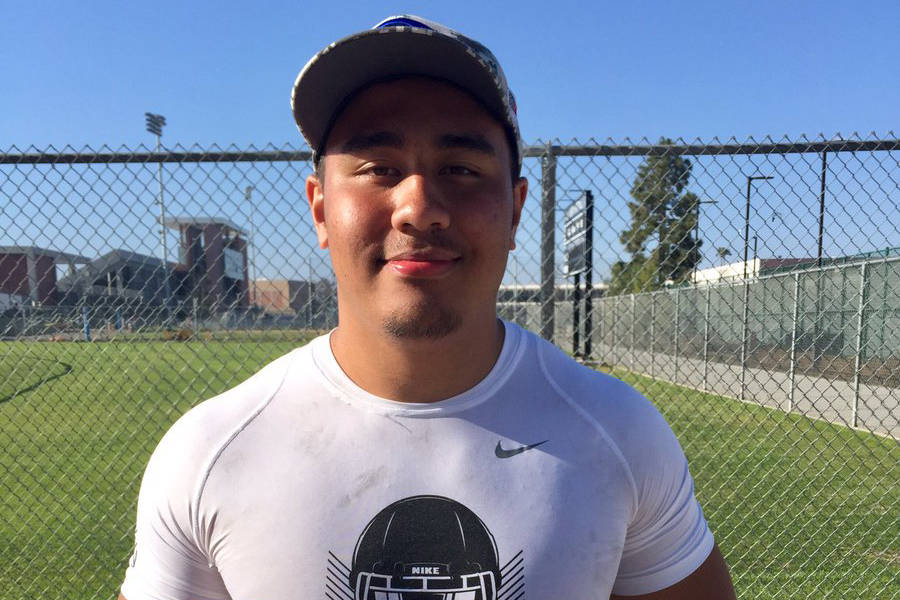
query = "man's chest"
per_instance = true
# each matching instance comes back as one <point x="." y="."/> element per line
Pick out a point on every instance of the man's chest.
<point x="426" y="508"/>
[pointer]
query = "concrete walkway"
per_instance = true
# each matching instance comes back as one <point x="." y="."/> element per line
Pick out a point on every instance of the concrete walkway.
<point x="876" y="408"/>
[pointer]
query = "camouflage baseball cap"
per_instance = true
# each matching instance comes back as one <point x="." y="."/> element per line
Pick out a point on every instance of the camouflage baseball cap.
<point x="399" y="46"/>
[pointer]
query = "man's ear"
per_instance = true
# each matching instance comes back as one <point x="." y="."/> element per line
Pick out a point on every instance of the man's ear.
<point x="315" y="193"/>
<point x="520" y="192"/>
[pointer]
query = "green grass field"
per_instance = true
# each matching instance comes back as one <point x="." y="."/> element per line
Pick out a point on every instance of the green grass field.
<point x="802" y="509"/>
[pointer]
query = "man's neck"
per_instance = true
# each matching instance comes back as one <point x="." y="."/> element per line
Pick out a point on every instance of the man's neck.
<point x="417" y="370"/>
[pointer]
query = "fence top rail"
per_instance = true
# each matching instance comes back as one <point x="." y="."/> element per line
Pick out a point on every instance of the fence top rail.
<point x="211" y="156"/>
<point x="700" y="149"/>
<point x="533" y="151"/>
<point x="753" y="279"/>
<point x="842" y="266"/>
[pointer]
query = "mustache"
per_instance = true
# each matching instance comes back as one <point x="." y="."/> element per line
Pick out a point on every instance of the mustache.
<point x="434" y="241"/>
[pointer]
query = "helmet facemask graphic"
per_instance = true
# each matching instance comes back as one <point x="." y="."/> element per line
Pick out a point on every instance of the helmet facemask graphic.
<point x="425" y="548"/>
<point x="477" y="586"/>
<point x="425" y="596"/>
<point x="471" y="595"/>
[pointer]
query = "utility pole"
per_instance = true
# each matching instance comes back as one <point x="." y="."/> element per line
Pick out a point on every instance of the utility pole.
<point x="248" y="196"/>
<point x="750" y="180"/>
<point x="155" y="123"/>
<point x="822" y="207"/>
<point x="697" y="233"/>
<point x="746" y="314"/>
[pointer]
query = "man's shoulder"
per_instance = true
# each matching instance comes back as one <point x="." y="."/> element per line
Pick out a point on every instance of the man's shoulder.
<point x="182" y="461"/>
<point x="610" y="404"/>
<point x="212" y="423"/>
<point x="584" y="383"/>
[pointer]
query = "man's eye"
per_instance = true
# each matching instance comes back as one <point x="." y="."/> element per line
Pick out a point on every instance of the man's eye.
<point x="459" y="170"/>
<point x="379" y="171"/>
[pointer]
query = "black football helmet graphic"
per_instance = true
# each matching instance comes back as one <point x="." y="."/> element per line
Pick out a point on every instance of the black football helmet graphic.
<point x="425" y="548"/>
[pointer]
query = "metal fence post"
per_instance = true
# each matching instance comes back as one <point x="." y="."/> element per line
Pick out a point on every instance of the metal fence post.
<point x="620" y="333"/>
<point x="548" y="243"/>
<point x="576" y="316"/>
<point x="614" y="342"/>
<point x="794" y="324"/>
<point x="600" y="327"/>
<point x="589" y="276"/>
<point x="675" y="367"/>
<point x="883" y="302"/>
<point x="633" y="323"/>
<point x="706" y="339"/>
<point x="652" y="334"/>
<point x="85" y="323"/>
<point x="744" y="334"/>
<point x="860" y="322"/>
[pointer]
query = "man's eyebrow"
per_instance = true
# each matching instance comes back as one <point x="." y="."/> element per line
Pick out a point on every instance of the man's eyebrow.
<point x="374" y="139"/>
<point x="466" y="141"/>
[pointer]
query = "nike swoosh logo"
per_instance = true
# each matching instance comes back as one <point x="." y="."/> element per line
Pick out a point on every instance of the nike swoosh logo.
<point x="501" y="452"/>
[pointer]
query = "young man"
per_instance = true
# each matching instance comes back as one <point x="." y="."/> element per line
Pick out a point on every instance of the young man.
<point x="424" y="449"/>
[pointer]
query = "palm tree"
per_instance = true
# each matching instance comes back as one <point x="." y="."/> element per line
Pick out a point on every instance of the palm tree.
<point x="723" y="253"/>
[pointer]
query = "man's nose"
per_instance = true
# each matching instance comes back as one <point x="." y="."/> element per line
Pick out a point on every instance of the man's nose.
<point x="419" y="205"/>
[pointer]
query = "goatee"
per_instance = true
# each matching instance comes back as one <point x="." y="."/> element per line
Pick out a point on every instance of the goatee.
<point x="422" y="322"/>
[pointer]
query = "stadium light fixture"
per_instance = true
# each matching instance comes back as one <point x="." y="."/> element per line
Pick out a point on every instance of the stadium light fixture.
<point x="155" y="123"/>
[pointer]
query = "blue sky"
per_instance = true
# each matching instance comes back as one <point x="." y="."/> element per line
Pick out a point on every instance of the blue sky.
<point x="84" y="73"/>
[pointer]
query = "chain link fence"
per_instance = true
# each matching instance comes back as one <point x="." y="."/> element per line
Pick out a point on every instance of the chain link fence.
<point x="751" y="290"/>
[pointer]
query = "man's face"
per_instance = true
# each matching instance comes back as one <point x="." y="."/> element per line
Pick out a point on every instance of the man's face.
<point x="417" y="208"/>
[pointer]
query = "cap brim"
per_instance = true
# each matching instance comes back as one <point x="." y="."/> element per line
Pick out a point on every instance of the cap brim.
<point x="348" y="65"/>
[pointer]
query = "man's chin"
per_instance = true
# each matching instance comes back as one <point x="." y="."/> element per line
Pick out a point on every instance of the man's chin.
<point x="426" y="322"/>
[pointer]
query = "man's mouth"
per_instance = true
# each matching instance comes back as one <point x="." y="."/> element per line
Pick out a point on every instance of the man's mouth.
<point x="427" y="264"/>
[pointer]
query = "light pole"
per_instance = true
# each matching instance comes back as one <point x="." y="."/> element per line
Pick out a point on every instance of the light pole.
<point x="750" y="180"/>
<point x="822" y="207"/>
<point x="248" y="196"/>
<point x="155" y="123"/>
<point x="746" y="313"/>
<point x="697" y="232"/>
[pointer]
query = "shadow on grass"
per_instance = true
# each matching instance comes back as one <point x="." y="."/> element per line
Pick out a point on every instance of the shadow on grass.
<point x="67" y="368"/>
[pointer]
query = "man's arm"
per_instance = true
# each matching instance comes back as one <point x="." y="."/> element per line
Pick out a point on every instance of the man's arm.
<point x="172" y="531"/>
<point x="710" y="581"/>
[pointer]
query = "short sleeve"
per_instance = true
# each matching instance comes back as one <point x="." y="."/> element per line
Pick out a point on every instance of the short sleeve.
<point x="170" y="561"/>
<point x="667" y="538"/>
<point x="177" y="537"/>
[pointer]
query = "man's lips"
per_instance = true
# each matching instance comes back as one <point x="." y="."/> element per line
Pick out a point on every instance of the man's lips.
<point x="429" y="264"/>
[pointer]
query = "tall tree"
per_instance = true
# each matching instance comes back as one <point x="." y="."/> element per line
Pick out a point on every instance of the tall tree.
<point x="663" y="218"/>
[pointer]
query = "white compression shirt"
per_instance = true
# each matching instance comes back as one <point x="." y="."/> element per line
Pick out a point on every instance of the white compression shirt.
<point x="545" y="480"/>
